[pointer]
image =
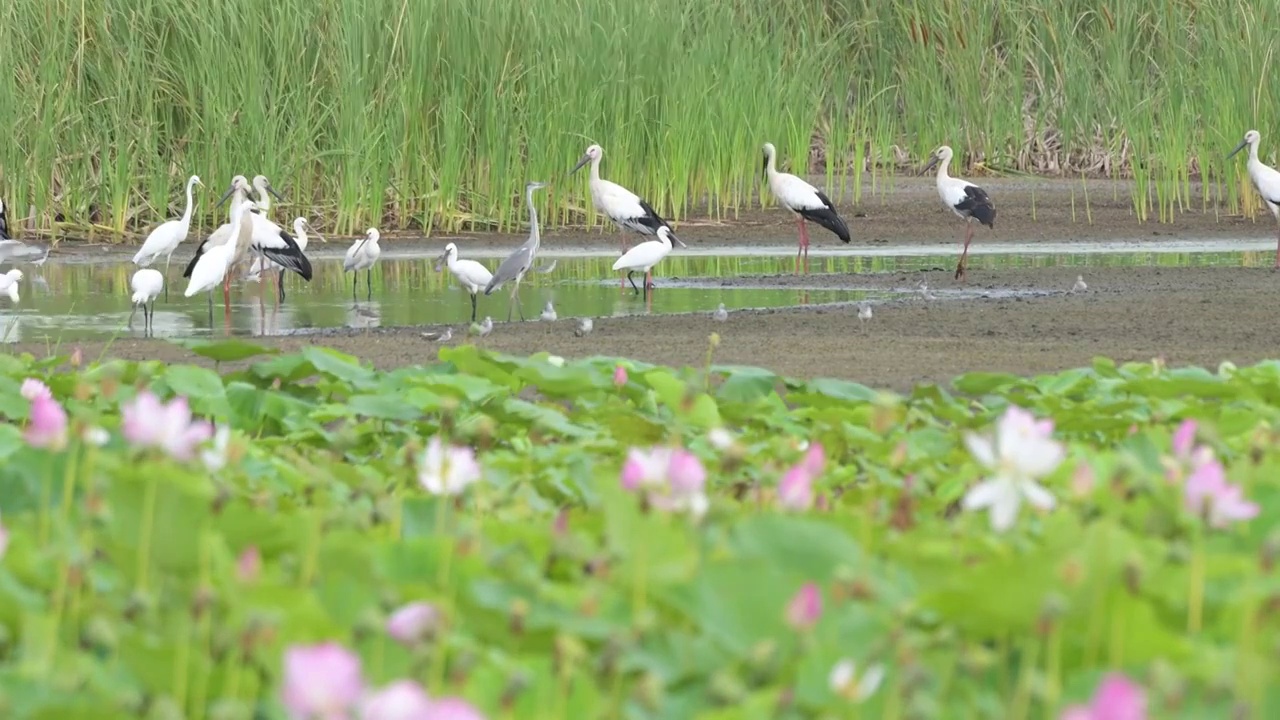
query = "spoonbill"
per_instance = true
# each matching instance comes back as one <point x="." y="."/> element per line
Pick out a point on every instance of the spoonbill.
<point x="9" y="283"/>
<point x="1265" y="180"/>
<point x="513" y="269"/>
<point x="966" y="200"/>
<point x="472" y="276"/>
<point x="643" y="257"/>
<point x="215" y="264"/>
<point x="146" y="285"/>
<point x="619" y="204"/>
<point x="362" y="254"/>
<point x="167" y="236"/>
<point x="805" y="200"/>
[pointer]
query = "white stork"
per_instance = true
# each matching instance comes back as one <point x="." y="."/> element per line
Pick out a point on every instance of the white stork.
<point x="621" y="205"/>
<point x="643" y="257"/>
<point x="805" y="200"/>
<point x="966" y="200"/>
<point x="1265" y="180"/>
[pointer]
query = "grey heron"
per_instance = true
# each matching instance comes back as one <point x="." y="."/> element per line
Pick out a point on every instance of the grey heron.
<point x="513" y="269"/>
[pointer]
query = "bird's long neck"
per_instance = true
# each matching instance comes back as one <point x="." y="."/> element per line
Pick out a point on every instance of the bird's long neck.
<point x="595" y="169"/>
<point x="1253" y="152"/>
<point x="533" y="212"/>
<point x="451" y="260"/>
<point x="237" y="198"/>
<point x="264" y="200"/>
<point x="771" y="165"/>
<point x="301" y="237"/>
<point x="186" y="214"/>
<point x="943" y="165"/>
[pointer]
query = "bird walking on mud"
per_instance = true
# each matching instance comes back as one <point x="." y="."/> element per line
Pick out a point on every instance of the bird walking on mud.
<point x="966" y="200"/>
<point x="513" y="269"/>
<point x="1266" y="180"/>
<point x="1080" y="285"/>
<point x="585" y="326"/>
<point x="864" y="314"/>
<point x="806" y="201"/>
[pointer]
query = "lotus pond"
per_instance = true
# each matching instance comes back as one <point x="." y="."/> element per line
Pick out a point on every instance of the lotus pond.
<point x="534" y="538"/>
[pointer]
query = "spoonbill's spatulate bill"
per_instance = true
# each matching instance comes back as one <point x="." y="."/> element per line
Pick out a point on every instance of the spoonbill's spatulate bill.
<point x="966" y="200"/>
<point x="146" y="285"/>
<point x="1266" y="180"/>
<point x="806" y="201"/>
<point x="9" y="283"/>
<point x="362" y="255"/>
<point x="471" y="275"/>
<point x="619" y="204"/>
<point x="643" y="257"/>
<point x="513" y="269"/>
<point x="167" y="237"/>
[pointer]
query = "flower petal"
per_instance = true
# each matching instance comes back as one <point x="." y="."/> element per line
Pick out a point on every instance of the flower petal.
<point x="984" y="494"/>
<point x="1037" y="496"/>
<point x="981" y="449"/>
<point x="1004" y="511"/>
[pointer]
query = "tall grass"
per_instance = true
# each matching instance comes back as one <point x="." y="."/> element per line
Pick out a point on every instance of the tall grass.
<point x="432" y="115"/>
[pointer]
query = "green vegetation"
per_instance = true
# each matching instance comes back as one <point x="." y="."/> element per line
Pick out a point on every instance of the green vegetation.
<point x="164" y="582"/>
<point x="434" y="114"/>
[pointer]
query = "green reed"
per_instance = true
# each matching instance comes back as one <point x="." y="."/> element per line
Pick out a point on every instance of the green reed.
<point x="433" y="115"/>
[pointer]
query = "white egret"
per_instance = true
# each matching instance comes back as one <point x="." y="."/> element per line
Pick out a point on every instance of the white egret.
<point x="806" y="201"/>
<point x="966" y="200"/>
<point x="619" y="204"/>
<point x="1265" y="180"/>
<point x="362" y="254"/>
<point x="9" y="283"/>
<point x="513" y="269"/>
<point x="643" y="257"/>
<point x="548" y="313"/>
<point x="167" y="236"/>
<point x="146" y="285"/>
<point x="471" y="275"/>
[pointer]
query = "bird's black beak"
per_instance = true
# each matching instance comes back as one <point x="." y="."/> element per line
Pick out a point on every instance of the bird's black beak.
<point x="226" y="195"/>
<point x="932" y="161"/>
<point x="1239" y="147"/>
<point x="764" y="165"/>
<point x="273" y="192"/>
<point x="583" y="161"/>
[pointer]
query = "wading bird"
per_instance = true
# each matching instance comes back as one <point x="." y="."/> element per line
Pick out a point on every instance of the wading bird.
<point x="805" y="200"/>
<point x="215" y="265"/>
<point x="1080" y="285"/>
<point x="167" y="237"/>
<point x="548" y="313"/>
<point x="362" y="254"/>
<point x="512" y="269"/>
<point x="146" y="285"/>
<point x="472" y="276"/>
<point x="4" y="223"/>
<point x="267" y="238"/>
<point x="1265" y="180"/>
<point x="966" y="200"/>
<point x="263" y="187"/>
<point x="622" y="206"/>
<point x="9" y="283"/>
<point x="643" y="257"/>
<point x="300" y="238"/>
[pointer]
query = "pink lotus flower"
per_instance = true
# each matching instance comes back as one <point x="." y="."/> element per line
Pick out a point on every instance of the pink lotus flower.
<point x="619" y="376"/>
<point x="33" y="388"/>
<point x="412" y="622"/>
<point x="1117" y="698"/>
<point x="1210" y="496"/>
<point x="321" y="682"/>
<point x="148" y="423"/>
<point x="805" y="608"/>
<point x="47" y="427"/>
<point x="400" y="700"/>
<point x="1183" y="439"/>
<point x="4" y="539"/>
<point x="673" y="479"/>
<point x="795" y="490"/>
<point x="249" y="564"/>
<point x="447" y="471"/>
<point x="453" y="709"/>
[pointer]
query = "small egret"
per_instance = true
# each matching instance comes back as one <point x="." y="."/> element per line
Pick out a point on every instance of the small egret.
<point x="472" y="276"/>
<point x="362" y="254"/>
<point x="1080" y="285"/>
<point x="513" y="269"/>
<point x="966" y="200"/>
<point x="1266" y="180"/>
<point x="720" y="315"/>
<point x="167" y="237"/>
<point x="619" y="204"/>
<point x="585" y="325"/>
<point x="643" y="257"/>
<point x="214" y="265"/>
<point x="445" y="336"/>
<point x="9" y="283"/>
<point x="549" y="313"/>
<point x="806" y="201"/>
<point x="146" y="285"/>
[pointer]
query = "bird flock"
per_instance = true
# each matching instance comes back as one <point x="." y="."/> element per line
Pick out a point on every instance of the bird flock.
<point x="250" y="244"/>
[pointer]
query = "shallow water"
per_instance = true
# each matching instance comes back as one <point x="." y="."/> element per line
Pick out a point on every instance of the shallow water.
<point x="83" y="301"/>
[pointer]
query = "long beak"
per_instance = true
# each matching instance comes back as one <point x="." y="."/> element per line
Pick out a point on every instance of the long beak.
<point x="764" y="166"/>
<point x="273" y="192"/>
<point x="440" y="262"/>
<point x="318" y="236"/>
<point x="932" y="161"/>
<point x="1239" y="147"/>
<point x="225" y="195"/>
<point x="679" y="241"/>
<point x="583" y="161"/>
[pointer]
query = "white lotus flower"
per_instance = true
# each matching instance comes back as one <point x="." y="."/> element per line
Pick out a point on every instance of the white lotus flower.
<point x="1022" y="452"/>
<point x="845" y="681"/>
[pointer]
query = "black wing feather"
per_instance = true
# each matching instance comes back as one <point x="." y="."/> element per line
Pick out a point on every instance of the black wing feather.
<point x="827" y="217"/>
<point x="291" y="257"/>
<point x="4" y="223"/>
<point x="978" y="205"/>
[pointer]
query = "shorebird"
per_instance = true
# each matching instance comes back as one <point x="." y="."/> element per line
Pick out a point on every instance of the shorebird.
<point x="720" y="314"/>
<point x="806" y="201"/>
<point x="486" y="327"/>
<point x="966" y="200"/>
<point x="548" y="313"/>
<point x="443" y="337"/>
<point x="864" y="313"/>
<point x="1080" y="285"/>
<point x="585" y="326"/>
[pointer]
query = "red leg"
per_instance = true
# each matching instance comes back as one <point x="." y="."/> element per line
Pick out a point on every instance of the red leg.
<point x="799" y="241"/>
<point x="804" y="243"/>
<point x="964" y="254"/>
